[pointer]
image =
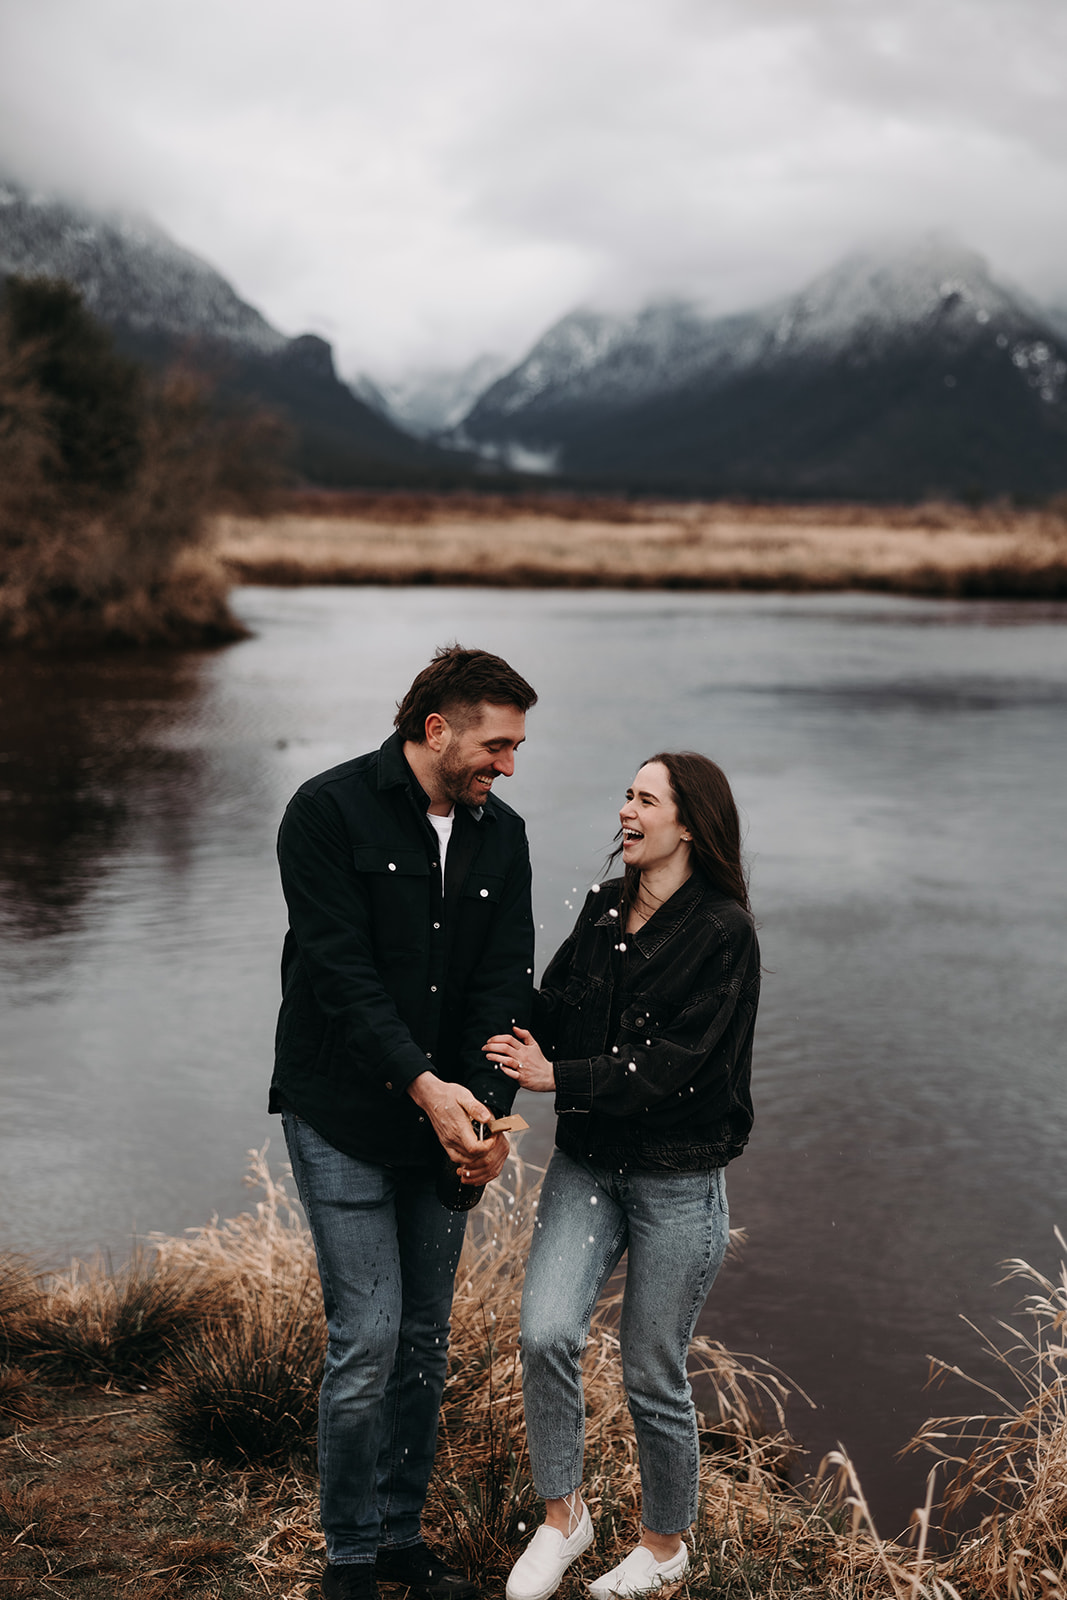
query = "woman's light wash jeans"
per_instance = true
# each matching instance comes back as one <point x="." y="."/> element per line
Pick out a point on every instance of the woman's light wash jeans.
<point x="675" y="1227"/>
<point x="387" y="1251"/>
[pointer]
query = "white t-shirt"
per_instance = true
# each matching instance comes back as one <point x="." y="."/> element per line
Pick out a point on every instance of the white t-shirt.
<point x="443" y="829"/>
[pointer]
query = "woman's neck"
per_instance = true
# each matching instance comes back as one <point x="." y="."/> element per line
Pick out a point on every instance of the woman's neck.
<point x="655" y="888"/>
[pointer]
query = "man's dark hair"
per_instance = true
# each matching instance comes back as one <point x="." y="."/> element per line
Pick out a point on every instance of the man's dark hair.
<point x="455" y="683"/>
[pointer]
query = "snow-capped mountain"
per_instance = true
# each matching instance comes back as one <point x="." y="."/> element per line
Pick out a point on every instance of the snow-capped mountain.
<point x="128" y="270"/>
<point x="901" y="373"/>
<point x="430" y="400"/>
<point x="162" y="301"/>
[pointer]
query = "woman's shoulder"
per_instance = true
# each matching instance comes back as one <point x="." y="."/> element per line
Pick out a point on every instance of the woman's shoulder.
<point x="601" y="896"/>
<point x="734" y="920"/>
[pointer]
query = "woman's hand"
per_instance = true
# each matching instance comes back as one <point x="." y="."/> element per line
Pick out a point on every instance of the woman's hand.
<point x="519" y="1055"/>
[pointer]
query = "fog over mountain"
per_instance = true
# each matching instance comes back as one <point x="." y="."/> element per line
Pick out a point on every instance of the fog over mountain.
<point x="418" y="183"/>
<point x="431" y="400"/>
<point x="898" y="373"/>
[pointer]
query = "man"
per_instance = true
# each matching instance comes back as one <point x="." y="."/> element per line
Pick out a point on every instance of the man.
<point x="410" y="942"/>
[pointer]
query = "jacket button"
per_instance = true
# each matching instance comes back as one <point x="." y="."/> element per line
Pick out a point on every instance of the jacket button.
<point x="484" y="893"/>
<point x="392" y="866"/>
<point x="433" y="988"/>
<point x="437" y="925"/>
<point x="388" y="1086"/>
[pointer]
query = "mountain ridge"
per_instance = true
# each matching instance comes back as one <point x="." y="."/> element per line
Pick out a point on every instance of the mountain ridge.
<point x="902" y="373"/>
<point x="163" y="303"/>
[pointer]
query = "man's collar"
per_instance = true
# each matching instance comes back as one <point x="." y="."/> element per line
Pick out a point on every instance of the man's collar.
<point x="394" y="772"/>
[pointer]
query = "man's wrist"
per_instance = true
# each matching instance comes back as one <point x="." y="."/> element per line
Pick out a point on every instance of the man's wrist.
<point x="422" y="1088"/>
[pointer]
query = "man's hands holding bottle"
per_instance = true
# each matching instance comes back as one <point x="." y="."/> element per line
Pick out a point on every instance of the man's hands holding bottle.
<point x="453" y="1110"/>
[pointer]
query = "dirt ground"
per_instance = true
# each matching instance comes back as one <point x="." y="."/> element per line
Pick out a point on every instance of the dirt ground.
<point x="96" y="1502"/>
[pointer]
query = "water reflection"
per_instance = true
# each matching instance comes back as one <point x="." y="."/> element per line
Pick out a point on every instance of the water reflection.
<point x="85" y="764"/>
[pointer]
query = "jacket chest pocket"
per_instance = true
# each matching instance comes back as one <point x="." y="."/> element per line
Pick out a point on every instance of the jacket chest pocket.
<point x="638" y="1019"/>
<point x="483" y="888"/>
<point x="398" y="863"/>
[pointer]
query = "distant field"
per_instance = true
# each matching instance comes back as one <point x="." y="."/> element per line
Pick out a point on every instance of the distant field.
<point x="541" y="542"/>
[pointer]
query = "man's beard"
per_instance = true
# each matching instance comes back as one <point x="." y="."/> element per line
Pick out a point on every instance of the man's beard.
<point x="456" y="781"/>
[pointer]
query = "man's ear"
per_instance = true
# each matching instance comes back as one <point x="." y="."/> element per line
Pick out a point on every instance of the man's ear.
<point x="438" y="732"/>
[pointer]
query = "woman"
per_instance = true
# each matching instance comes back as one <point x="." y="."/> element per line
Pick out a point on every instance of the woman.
<point x="644" y="1033"/>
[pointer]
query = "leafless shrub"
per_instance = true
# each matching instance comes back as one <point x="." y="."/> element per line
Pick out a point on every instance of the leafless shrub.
<point x="106" y="479"/>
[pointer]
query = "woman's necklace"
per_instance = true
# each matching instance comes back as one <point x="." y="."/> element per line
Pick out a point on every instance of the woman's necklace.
<point x="641" y="910"/>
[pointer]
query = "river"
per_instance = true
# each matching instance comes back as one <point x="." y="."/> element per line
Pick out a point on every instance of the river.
<point x="900" y="768"/>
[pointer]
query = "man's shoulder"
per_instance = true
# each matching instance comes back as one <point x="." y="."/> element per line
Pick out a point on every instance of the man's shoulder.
<point x="354" y="773"/>
<point x="495" y="807"/>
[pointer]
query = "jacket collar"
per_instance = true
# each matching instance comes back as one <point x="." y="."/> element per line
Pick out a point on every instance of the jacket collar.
<point x="394" y="773"/>
<point x="665" y="921"/>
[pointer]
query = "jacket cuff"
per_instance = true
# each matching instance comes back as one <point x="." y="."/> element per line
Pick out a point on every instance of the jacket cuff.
<point x="493" y="1088"/>
<point x="400" y="1070"/>
<point x="574" y="1086"/>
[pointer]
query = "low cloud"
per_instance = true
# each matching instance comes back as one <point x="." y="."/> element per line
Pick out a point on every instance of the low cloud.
<point x="421" y="182"/>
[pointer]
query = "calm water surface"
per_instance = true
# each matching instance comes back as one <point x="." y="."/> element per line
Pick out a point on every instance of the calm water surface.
<point x="901" y="769"/>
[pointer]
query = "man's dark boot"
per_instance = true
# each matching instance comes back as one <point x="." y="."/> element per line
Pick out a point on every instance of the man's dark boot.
<point x="348" y="1582"/>
<point x="423" y="1572"/>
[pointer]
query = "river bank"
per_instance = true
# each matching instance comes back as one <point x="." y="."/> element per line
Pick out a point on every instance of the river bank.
<point x="157" y="1428"/>
<point x="932" y="550"/>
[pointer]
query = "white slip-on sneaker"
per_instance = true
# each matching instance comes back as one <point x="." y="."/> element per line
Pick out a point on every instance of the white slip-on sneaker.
<point x="640" y="1573"/>
<point x="539" y="1570"/>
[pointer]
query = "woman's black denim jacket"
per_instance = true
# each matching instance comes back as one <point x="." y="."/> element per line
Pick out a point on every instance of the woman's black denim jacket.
<point x="671" y="1090"/>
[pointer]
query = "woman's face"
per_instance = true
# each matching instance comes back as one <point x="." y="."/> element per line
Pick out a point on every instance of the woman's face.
<point x="652" y="835"/>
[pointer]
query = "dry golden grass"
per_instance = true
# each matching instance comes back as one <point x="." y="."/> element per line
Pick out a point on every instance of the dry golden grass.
<point x="127" y="1491"/>
<point x="936" y="550"/>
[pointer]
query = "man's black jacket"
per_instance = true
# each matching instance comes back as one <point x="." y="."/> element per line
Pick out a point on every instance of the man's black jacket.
<point x="378" y="981"/>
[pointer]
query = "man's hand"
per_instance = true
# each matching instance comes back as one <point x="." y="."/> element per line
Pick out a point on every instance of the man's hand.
<point x="452" y="1108"/>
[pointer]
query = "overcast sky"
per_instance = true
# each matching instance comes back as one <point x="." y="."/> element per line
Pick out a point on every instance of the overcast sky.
<point x="423" y="180"/>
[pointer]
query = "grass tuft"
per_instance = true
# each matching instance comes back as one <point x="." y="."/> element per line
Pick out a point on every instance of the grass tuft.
<point x="244" y="1388"/>
<point x="90" y="1324"/>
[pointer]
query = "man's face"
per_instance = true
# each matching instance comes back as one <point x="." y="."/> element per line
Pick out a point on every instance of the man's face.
<point x="475" y="753"/>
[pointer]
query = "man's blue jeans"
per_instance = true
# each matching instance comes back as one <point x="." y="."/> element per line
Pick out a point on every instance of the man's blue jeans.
<point x="675" y="1227"/>
<point x="387" y="1252"/>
